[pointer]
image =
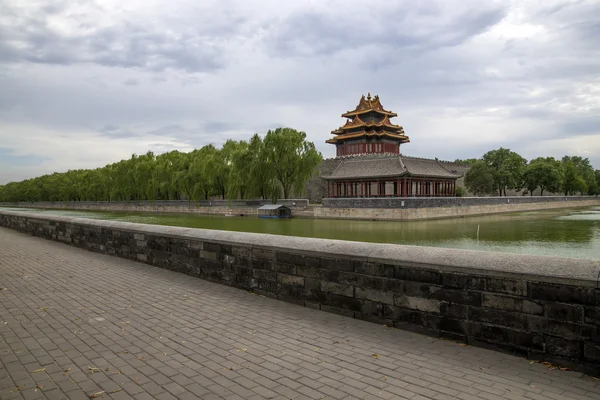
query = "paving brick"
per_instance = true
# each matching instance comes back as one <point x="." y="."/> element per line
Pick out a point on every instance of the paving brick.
<point x="184" y="339"/>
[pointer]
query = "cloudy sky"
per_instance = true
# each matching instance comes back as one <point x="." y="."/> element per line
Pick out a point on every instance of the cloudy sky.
<point x="86" y="83"/>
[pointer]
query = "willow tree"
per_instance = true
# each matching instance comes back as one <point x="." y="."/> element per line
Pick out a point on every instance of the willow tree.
<point x="292" y="158"/>
<point x="263" y="183"/>
<point x="239" y="183"/>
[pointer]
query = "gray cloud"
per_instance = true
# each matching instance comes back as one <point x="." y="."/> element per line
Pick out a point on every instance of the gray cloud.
<point x="463" y="76"/>
<point x="131" y="82"/>
<point x="130" y="43"/>
<point x="115" y="132"/>
<point x="402" y="29"/>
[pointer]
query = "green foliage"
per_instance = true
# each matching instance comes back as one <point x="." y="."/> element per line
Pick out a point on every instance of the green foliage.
<point x="479" y="179"/>
<point x="460" y="191"/>
<point x="543" y="173"/>
<point x="579" y="176"/>
<point x="237" y="170"/>
<point x="262" y="173"/>
<point x="467" y="161"/>
<point x="504" y="169"/>
<point x="291" y="157"/>
<point x="507" y="169"/>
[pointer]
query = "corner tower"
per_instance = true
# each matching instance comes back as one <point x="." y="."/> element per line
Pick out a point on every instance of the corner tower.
<point x="368" y="130"/>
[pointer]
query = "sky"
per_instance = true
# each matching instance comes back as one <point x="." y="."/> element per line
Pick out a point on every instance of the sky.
<point x="87" y="83"/>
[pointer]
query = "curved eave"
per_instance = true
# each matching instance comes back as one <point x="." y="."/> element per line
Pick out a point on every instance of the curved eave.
<point x="370" y="177"/>
<point x="401" y="138"/>
<point x="369" y="125"/>
<point x="358" y="112"/>
<point x="432" y="176"/>
<point x="405" y="174"/>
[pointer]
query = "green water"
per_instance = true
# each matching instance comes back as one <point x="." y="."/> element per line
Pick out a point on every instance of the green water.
<point x="571" y="233"/>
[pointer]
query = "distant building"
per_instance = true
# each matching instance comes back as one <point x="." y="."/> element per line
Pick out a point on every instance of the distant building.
<point x="371" y="165"/>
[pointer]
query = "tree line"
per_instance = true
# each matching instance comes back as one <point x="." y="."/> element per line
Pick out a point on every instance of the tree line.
<point x="500" y="170"/>
<point x="278" y="165"/>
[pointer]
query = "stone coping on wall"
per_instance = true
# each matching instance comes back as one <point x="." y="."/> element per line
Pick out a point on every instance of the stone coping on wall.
<point x="558" y="270"/>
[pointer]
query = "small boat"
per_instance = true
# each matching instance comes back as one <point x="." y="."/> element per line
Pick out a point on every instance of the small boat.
<point x="274" y="211"/>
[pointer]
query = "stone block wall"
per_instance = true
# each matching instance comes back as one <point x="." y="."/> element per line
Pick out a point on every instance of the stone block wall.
<point x="437" y="202"/>
<point x="218" y="207"/>
<point x="420" y="209"/>
<point x="545" y="308"/>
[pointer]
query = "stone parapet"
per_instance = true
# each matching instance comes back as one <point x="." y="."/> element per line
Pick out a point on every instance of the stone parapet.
<point x="545" y="308"/>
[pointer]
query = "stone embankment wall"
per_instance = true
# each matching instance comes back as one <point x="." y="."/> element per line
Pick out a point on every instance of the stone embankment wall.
<point x="401" y="209"/>
<point x="220" y="207"/>
<point x="545" y="308"/>
<point x="442" y="207"/>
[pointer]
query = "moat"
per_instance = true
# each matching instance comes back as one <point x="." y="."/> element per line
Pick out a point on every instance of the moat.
<point x="573" y="233"/>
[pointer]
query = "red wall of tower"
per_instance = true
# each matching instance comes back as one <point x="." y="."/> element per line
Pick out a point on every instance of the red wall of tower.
<point x="367" y="148"/>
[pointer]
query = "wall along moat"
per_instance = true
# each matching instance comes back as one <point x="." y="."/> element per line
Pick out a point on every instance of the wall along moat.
<point x="573" y="233"/>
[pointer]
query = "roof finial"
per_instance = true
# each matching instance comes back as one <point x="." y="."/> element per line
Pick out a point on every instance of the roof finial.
<point x="369" y="96"/>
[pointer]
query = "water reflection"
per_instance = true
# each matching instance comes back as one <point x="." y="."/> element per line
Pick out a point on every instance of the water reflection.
<point x="567" y="233"/>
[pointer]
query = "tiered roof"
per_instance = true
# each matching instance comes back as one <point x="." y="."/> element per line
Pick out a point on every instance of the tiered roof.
<point x="357" y="122"/>
<point x="383" y="166"/>
<point x="369" y="104"/>
<point x="369" y="119"/>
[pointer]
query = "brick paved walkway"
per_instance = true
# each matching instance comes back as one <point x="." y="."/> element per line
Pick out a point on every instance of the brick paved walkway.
<point x="75" y="324"/>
